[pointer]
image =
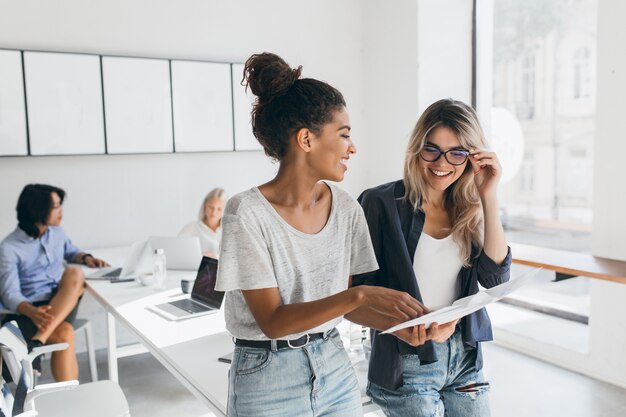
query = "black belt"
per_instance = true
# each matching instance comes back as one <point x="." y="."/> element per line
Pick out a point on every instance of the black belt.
<point x="281" y="344"/>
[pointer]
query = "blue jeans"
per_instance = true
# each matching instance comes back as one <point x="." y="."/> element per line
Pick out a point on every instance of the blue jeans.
<point x="442" y="388"/>
<point x="315" y="380"/>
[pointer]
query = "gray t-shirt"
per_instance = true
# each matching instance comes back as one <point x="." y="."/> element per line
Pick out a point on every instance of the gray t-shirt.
<point x="261" y="250"/>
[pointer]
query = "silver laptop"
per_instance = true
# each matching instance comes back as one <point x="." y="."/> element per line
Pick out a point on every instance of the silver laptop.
<point x="181" y="252"/>
<point x="203" y="300"/>
<point x="138" y="257"/>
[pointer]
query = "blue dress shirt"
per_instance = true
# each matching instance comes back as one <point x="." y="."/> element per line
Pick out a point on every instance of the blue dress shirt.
<point x="30" y="269"/>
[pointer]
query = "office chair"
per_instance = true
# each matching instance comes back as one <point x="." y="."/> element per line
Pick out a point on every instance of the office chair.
<point x="63" y="399"/>
<point x="9" y="406"/>
<point x="85" y="326"/>
<point x="7" y="402"/>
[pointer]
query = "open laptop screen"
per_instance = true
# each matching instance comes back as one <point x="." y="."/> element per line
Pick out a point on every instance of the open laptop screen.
<point x="204" y="287"/>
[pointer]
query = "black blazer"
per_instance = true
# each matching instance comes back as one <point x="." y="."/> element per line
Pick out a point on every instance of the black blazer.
<point x="395" y="229"/>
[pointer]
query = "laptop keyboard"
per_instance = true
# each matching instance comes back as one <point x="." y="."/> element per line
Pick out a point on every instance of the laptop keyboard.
<point x="114" y="273"/>
<point x="189" y="306"/>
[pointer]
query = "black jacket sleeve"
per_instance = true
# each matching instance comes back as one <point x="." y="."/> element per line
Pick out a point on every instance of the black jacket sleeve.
<point x="372" y="209"/>
<point x="488" y="273"/>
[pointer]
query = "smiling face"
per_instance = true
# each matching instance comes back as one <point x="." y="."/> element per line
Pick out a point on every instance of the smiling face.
<point x="56" y="212"/>
<point x="331" y="148"/>
<point x="440" y="174"/>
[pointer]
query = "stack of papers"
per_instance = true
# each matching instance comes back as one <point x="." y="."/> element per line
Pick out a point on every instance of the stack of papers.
<point x="467" y="305"/>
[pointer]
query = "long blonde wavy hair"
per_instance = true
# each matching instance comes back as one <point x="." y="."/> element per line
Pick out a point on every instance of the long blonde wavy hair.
<point x="461" y="199"/>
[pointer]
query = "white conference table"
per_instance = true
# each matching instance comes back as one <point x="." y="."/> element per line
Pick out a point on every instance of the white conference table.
<point x="189" y="349"/>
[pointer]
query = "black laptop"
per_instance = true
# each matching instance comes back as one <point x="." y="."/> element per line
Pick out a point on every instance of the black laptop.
<point x="203" y="299"/>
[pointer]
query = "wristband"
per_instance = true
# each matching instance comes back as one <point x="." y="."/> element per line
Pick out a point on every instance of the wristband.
<point x="82" y="258"/>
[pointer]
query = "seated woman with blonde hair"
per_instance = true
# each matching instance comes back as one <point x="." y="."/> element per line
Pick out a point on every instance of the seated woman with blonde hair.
<point x="208" y="227"/>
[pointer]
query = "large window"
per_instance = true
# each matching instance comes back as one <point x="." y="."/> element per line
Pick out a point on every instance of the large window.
<point x="542" y="55"/>
<point x="582" y="73"/>
<point x="526" y="109"/>
<point x="538" y="107"/>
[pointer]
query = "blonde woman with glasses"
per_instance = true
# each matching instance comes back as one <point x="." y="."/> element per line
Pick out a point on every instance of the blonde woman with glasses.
<point x="437" y="236"/>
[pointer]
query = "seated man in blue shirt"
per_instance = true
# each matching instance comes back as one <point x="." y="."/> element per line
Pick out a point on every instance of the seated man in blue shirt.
<point x="40" y="292"/>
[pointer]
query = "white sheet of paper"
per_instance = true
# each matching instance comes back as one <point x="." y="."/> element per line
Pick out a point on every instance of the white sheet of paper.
<point x="467" y="305"/>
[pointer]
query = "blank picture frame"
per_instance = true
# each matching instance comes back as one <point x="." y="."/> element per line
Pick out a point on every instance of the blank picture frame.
<point x="138" y="106"/>
<point x="203" y="106"/>
<point x="64" y="97"/>
<point x="13" y="134"/>
<point x="242" y="104"/>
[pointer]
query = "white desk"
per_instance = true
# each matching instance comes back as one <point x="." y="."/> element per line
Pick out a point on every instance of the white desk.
<point x="188" y="349"/>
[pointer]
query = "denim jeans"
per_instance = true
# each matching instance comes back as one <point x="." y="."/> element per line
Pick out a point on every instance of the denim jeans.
<point x="442" y="388"/>
<point x="315" y="380"/>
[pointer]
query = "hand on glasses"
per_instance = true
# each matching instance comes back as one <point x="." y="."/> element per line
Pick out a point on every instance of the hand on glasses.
<point x="487" y="172"/>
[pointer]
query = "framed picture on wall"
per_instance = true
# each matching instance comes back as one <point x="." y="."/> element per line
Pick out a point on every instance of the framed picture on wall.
<point x="203" y="106"/>
<point x="137" y="104"/>
<point x="13" y="138"/>
<point x="242" y="104"/>
<point x="64" y="96"/>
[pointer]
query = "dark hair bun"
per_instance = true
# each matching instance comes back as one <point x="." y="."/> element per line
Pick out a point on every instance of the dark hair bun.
<point x="269" y="76"/>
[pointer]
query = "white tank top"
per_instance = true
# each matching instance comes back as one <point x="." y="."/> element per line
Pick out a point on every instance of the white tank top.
<point x="437" y="264"/>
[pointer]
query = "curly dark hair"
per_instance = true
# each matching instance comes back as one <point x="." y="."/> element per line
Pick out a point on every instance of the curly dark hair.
<point x="286" y="103"/>
<point x="34" y="206"/>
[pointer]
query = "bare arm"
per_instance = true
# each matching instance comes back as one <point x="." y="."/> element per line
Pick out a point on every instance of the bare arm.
<point x="495" y="242"/>
<point x="277" y="320"/>
<point x="368" y="317"/>
<point x="487" y="173"/>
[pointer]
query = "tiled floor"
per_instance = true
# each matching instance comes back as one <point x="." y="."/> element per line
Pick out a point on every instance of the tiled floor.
<point x="521" y="387"/>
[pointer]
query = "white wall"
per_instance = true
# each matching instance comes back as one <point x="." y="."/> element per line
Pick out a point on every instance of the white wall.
<point x="114" y="200"/>
<point x="379" y="55"/>
<point x="415" y="53"/>
<point x="608" y="340"/>
<point x="444" y="51"/>
<point x="368" y="50"/>
<point x="391" y="86"/>
<point x="609" y="224"/>
<point x="386" y="60"/>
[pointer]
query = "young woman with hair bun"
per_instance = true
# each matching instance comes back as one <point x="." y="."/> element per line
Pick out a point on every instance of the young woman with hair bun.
<point x="288" y="250"/>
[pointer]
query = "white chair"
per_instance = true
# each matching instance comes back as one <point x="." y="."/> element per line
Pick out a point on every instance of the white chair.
<point x="7" y="401"/>
<point x="94" y="399"/>
<point x="84" y="325"/>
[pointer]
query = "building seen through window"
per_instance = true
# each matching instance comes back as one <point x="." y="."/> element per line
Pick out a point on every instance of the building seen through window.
<point x="544" y="69"/>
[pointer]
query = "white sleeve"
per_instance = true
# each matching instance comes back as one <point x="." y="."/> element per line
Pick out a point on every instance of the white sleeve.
<point x="188" y="230"/>
<point x="245" y="262"/>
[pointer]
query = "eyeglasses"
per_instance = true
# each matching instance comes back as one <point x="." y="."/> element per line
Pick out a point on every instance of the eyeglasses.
<point x="453" y="156"/>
